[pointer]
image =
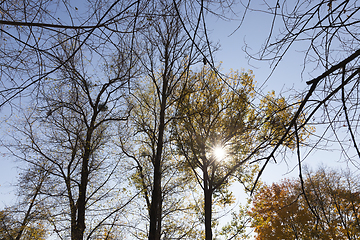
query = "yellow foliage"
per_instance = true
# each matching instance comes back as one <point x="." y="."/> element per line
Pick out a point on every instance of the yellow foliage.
<point x="277" y="114"/>
<point x="216" y="112"/>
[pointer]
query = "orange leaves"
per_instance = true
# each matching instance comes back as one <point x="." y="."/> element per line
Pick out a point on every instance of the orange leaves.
<point x="273" y="212"/>
<point x="280" y="211"/>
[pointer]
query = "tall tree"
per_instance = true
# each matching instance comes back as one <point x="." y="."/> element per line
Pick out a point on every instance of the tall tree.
<point x="66" y="131"/>
<point x="212" y="119"/>
<point x="219" y="131"/>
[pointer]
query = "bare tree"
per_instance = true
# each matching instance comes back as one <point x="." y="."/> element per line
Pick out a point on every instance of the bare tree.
<point x="67" y="129"/>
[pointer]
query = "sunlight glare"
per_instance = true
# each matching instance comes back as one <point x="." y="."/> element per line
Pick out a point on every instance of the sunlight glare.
<point x="219" y="153"/>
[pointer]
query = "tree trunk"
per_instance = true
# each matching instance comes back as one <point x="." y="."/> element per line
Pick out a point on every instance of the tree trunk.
<point x="155" y="209"/>
<point x="207" y="205"/>
<point x="208" y="214"/>
<point x="78" y="233"/>
<point x="156" y="198"/>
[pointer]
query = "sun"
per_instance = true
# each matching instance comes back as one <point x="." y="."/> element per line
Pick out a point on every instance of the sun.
<point x="219" y="153"/>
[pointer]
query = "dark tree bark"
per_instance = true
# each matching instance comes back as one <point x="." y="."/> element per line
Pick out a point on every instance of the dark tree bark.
<point x="207" y="203"/>
<point x="156" y="199"/>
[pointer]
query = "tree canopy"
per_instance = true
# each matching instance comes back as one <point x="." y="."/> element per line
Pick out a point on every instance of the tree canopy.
<point x="328" y="208"/>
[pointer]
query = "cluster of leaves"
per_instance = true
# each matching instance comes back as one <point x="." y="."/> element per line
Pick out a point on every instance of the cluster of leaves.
<point x="326" y="206"/>
<point x="211" y="115"/>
